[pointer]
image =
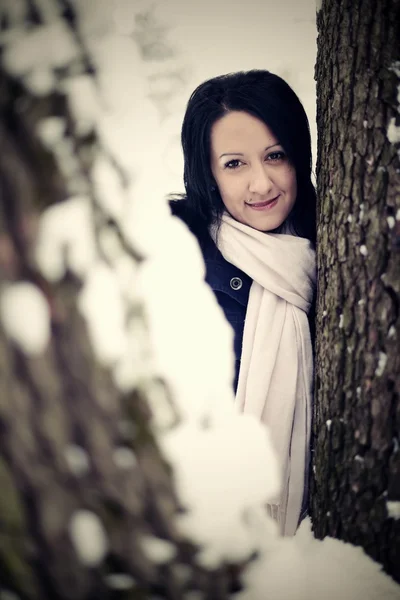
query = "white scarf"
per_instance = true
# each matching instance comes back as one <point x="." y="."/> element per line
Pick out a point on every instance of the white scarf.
<point x="276" y="372"/>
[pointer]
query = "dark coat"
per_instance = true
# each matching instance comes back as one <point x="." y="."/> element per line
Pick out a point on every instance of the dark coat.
<point x="230" y="285"/>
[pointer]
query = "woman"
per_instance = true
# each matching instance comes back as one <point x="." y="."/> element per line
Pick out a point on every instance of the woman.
<point x="251" y="204"/>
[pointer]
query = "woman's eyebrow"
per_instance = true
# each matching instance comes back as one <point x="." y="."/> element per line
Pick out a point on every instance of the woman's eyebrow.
<point x="241" y="153"/>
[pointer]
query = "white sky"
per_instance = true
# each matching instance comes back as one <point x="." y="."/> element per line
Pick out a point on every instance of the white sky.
<point x="220" y="36"/>
<point x="209" y="39"/>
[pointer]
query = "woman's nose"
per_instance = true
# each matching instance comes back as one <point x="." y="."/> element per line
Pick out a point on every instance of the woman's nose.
<point x="260" y="183"/>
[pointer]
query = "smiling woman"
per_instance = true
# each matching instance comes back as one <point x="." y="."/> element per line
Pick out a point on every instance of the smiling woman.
<point x="250" y="203"/>
<point x="256" y="181"/>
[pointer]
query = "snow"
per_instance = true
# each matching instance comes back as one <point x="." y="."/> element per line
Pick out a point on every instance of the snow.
<point x="51" y="130"/>
<point x="120" y="581"/>
<point x="391" y="332"/>
<point x="124" y="458"/>
<point x="232" y="481"/>
<point x="303" y="568"/>
<point x="26" y="318"/>
<point x="393" y="132"/>
<point x="88" y="537"/>
<point x="101" y="304"/>
<point x="65" y="239"/>
<point x="363" y="250"/>
<point x="382" y="360"/>
<point x="391" y="222"/>
<point x="159" y="287"/>
<point x="83" y="101"/>
<point x="30" y="50"/>
<point x="329" y="424"/>
<point x="77" y="459"/>
<point x="40" y="82"/>
<point x="157" y="550"/>
<point x="341" y="320"/>
<point x="393" y="508"/>
<point x="108" y="188"/>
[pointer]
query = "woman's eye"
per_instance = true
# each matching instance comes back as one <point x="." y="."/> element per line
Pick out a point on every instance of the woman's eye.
<point x="275" y="156"/>
<point x="232" y="164"/>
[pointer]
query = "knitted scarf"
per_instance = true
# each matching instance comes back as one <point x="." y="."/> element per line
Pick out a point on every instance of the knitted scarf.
<point x="276" y="372"/>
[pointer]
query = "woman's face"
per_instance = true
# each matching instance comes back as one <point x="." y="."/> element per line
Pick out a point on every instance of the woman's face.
<point x="256" y="181"/>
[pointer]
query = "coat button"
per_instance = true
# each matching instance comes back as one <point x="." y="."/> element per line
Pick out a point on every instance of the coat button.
<point x="236" y="283"/>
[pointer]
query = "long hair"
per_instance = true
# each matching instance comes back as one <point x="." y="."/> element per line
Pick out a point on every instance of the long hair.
<point x="270" y="99"/>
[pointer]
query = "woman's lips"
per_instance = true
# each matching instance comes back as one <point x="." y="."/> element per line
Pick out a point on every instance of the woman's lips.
<point x="267" y="204"/>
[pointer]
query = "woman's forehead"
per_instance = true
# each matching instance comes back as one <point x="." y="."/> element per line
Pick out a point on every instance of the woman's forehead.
<point x="239" y="132"/>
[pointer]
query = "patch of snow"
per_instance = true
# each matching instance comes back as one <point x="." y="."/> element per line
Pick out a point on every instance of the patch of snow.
<point x="396" y="68"/>
<point x="382" y="360"/>
<point x="391" y="222"/>
<point x="51" y="131"/>
<point x="341" y="319"/>
<point x="83" y="101"/>
<point x="393" y="509"/>
<point x="328" y="570"/>
<point x="225" y="489"/>
<point x="329" y="424"/>
<point x="350" y="218"/>
<point x="101" y="304"/>
<point x="393" y="132"/>
<point x="111" y="246"/>
<point x="66" y="239"/>
<point x="159" y="286"/>
<point x="157" y="550"/>
<point x="391" y="332"/>
<point x="41" y="82"/>
<point x="31" y="50"/>
<point x="26" y="317"/>
<point x="120" y="581"/>
<point x="77" y="459"/>
<point x="88" y="537"/>
<point x="124" y="458"/>
<point x="109" y="191"/>
<point x="363" y="250"/>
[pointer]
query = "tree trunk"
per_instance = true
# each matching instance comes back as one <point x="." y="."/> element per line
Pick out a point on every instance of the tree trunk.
<point x="79" y="462"/>
<point x="355" y="481"/>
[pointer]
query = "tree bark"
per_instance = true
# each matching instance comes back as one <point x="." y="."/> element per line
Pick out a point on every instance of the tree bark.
<point x="356" y="461"/>
<point x="63" y="422"/>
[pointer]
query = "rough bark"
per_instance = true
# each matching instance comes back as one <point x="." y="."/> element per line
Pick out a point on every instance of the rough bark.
<point x="356" y="464"/>
<point x="64" y="399"/>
